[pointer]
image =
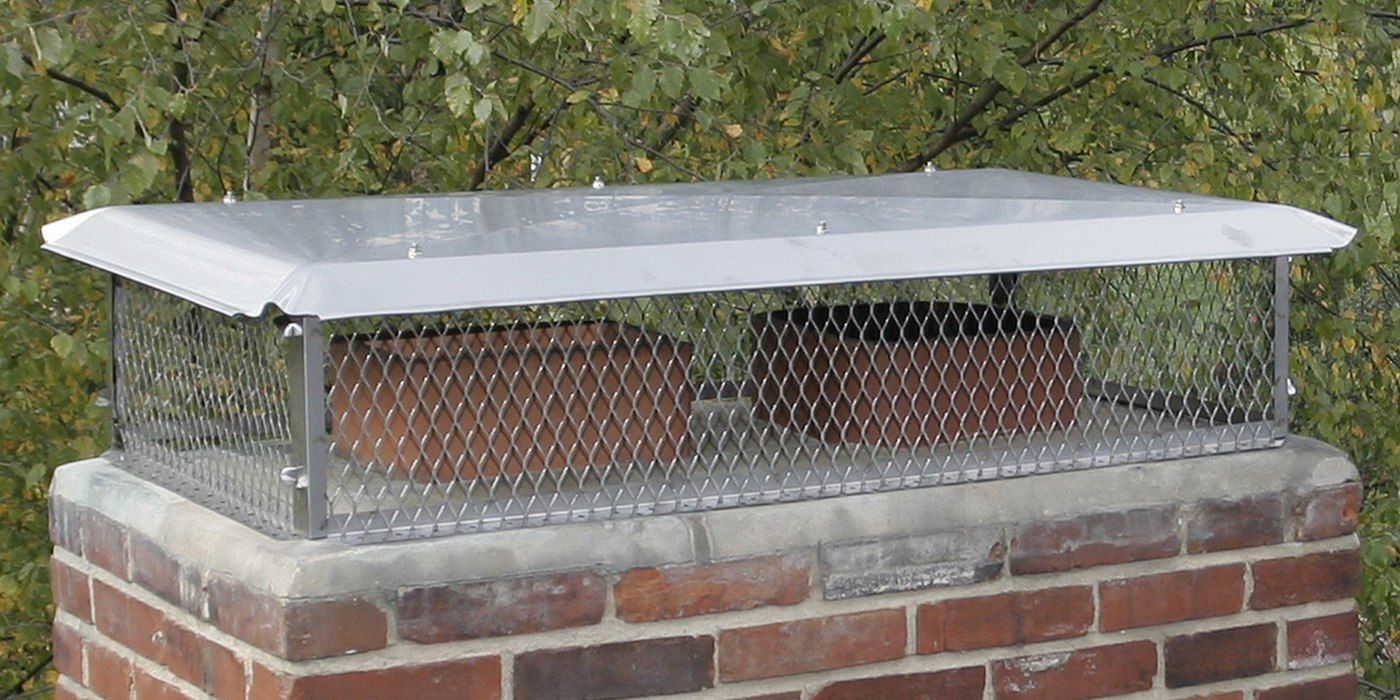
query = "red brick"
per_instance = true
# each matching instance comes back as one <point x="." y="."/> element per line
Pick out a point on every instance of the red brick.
<point x="250" y="616"/>
<point x="149" y="632"/>
<point x="813" y="644"/>
<point x="104" y="541"/>
<point x="1093" y="672"/>
<point x="317" y="629"/>
<point x="460" y="679"/>
<point x="148" y="687"/>
<point x="955" y="684"/>
<point x="1004" y="619"/>
<point x="65" y="528"/>
<point x="1327" y="512"/>
<point x="501" y="607"/>
<point x="70" y="589"/>
<point x="793" y="695"/>
<point x="1304" y="579"/>
<point x="620" y="670"/>
<point x="155" y="571"/>
<point x="1171" y="597"/>
<point x="1251" y="522"/>
<point x="109" y="674"/>
<point x="221" y="671"/>
<point x="267" y="684"/>
<point x="667" y="593"/>
<point x="1095" y="540"/>
<point x="130" y="622"/>
<point x="1336" y="688"/>
<point x="67" y="651"/>
<point x="63" y="692"/>
<point x="1219" y="655"/>
<point x="183" y="654"/>
<point x="1321" y="641"/>
<point x="297" y="630"/>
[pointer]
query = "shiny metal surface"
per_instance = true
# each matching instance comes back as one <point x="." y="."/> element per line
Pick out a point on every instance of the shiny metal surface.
<point x="341" y="258"/>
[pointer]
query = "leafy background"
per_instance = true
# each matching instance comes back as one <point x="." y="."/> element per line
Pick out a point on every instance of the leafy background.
<point x="104" y="102"/>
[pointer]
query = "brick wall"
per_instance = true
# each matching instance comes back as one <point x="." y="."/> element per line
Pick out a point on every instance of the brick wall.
<point x="1240" y="597"/>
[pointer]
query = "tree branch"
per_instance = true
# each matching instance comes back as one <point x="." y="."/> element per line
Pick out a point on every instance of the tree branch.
<point x="258" y="148"/>
<point x="30" y="675"/>
<point x="179" y="131"/>
<point x="621" y="132"/>
<point x="862" y="49"/>
<point x="893" y="77"/>
<point x="102" y="95"/>
<point x="499" y="149"/>
<point x="561" y="81"/>
<point x="1015" y="115"/>
<point x="685" y="115"/>
<point x="213" y="12"/>
<point x="1172" y="49"/>
<point x="1220" y="124"/>
<point x="964" y="130"/>
<point x="991" y="88"/>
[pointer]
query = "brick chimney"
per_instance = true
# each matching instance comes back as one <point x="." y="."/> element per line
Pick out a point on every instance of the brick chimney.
<point x="1225" y="576"/>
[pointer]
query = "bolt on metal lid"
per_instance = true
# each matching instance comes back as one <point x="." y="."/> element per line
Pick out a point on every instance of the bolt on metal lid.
<point x="338" y="258"/>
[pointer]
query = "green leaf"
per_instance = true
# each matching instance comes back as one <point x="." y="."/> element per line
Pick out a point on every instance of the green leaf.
<point x="459" y="94"/>
<point x="1012" y="76"/>
<point x="482" y="110"/>
<point x="99" y="195"/>
<point x="63" y="345"/>
<point x="706" y="83"/>
<point x="52" y="49"/>
<point x="14" y="61"/>
<point x="538" y="19"/>
<point x="447" y="45"/>
<point x="36" y="475"/>
<point x="672" y="81"/>
<point x="643" y="85"/>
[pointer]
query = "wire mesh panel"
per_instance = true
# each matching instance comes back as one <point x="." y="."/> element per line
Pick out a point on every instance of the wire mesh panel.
<point x="509" y="417"/>
<point x="201" y="405"/>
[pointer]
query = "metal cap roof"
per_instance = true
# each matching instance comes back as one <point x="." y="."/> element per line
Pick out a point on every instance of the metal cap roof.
<point x="337" y="258"/>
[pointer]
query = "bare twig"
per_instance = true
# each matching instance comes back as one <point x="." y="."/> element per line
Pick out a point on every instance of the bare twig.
<point x="1219" y="122"/>
<point x="559" y="80"/>
<point x="896" y="76"/>
<point x="1172" y="49"/>
<point x="621" y="132"/>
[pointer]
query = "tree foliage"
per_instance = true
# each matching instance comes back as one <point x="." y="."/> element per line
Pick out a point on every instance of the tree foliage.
<point x="101" y="103"/>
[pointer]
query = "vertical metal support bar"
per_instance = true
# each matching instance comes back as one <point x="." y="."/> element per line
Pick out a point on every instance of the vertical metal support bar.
<point x="1283" y="266"/>
<point x="115" y="342"/>
<point x="310" y="443"/>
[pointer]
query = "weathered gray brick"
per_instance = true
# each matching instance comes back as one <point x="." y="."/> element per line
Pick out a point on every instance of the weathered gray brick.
<point x="911" y="562"/>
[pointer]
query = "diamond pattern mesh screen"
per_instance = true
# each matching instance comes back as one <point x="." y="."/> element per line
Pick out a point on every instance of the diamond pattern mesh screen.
<point x="511" y="417"/>
<point x="201" y="405"/>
